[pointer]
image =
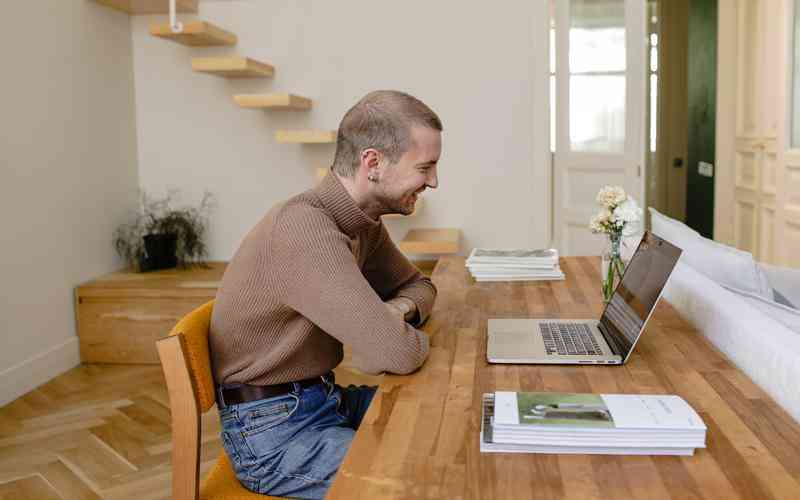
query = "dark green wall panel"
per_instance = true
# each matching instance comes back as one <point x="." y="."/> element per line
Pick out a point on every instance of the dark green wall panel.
<point x="702" y="76"/>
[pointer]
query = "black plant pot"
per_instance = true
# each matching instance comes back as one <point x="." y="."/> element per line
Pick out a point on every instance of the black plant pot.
<point x="159" y="252"/>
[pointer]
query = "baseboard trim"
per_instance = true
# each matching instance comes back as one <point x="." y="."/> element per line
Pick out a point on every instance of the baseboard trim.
<point x="38" y="369"/>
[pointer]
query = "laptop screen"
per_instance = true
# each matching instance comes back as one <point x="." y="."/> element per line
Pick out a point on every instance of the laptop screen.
<point x="636" y="295"/>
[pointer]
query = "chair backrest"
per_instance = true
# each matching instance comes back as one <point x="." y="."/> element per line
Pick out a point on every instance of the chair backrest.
<point x="186" y="362"/>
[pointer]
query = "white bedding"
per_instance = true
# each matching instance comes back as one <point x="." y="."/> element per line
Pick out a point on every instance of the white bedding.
<point x="785" y="280"/>
<point x="764" y="349"/>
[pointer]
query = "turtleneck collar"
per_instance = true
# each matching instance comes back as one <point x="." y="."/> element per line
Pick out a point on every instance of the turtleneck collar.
<point x="350" y="219"/>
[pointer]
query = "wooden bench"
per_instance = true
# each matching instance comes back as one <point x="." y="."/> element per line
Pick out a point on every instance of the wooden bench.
<point x="121" y="315"/>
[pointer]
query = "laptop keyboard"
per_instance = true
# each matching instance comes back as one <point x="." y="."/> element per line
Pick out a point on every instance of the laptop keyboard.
<point x="569" y="339"/>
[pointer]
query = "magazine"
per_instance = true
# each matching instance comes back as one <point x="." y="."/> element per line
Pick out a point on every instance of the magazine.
<point x="520" y="422"/>
<point x="491" y="264"/>
<point x="491" y="253"/>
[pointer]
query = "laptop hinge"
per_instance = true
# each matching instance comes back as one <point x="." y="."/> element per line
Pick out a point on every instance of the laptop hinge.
<point x="609" y="341"/>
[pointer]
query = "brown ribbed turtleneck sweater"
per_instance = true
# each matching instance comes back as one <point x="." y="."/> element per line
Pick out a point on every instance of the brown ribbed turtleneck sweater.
<point x="311" y="275"/>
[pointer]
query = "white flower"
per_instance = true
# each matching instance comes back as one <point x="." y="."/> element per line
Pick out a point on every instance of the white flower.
<point x="631" y="228"/>
<point x="602" y="221"/>
<point x="628" y="211"/>
<point x="620" y="213"/>
<point x="630" y="216"/>
<point x="611" y="196"/>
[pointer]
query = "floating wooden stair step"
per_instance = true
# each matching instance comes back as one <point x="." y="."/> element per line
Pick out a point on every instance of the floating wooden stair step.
<point x="232" y="67"/>
<point x="149" y="6"/>
<point x="306" y="136"/>
<point x="273" y="101"/>
<point x="426" y="267"/>
<point x="431" y="241"/>
<point x="195" y="34"/>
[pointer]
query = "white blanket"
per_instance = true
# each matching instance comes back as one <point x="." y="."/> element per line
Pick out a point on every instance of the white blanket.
<point x="764" y="349"/>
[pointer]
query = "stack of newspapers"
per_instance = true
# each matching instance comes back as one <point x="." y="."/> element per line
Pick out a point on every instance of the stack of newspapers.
<point x="514" y="265"/>
<point x="601" y="424"/>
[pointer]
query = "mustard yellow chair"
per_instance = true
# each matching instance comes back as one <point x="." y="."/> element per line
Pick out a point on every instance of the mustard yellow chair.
<point x="187" y="367"/>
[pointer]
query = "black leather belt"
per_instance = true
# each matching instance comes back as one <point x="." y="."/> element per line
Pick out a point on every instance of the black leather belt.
<point x="245" y="393"/>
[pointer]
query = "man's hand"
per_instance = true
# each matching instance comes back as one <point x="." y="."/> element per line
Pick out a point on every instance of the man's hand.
<point x="402" y="307"/>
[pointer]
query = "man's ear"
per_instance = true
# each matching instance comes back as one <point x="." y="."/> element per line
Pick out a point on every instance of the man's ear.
<point x="370" y="158"/>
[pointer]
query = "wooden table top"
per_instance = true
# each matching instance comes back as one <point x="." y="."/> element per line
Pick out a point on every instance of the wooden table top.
<point x="419" y="438"/>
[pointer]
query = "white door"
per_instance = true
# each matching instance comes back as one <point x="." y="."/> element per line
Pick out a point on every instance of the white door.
<point x="751" y="210"/>
<point x="759" y="81"/>
<point x="600" y="106"/>
<point x="786" y="235"/>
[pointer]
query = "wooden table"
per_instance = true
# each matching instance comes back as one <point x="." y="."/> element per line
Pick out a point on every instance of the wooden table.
<point x="420" y="436"/>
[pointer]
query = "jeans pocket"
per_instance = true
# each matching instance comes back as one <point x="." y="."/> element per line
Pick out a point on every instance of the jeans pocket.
<point x="231" y="449"/>
<point x="265" y="415"/>
<point x="269" y="426"/>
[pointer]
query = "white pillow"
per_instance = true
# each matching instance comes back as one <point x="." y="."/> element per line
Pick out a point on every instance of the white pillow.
<point x="785" y="281"/>
<point x="723" y="264"/>
<point x="674" y="231"/>
<point x="788" y="316"/>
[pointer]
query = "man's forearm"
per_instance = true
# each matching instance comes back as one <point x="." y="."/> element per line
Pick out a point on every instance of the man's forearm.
<point x="392" y="276"/>
<point x="423" y="294"/>
<point x="405" y="306"/>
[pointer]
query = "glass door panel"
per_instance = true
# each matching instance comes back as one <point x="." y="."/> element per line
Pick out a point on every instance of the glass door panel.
<point x="597" y="65"/>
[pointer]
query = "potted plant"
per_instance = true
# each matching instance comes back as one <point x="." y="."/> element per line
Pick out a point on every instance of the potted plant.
<point x="160" y="236"/>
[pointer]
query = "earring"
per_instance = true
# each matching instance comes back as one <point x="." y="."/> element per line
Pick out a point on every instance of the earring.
<point x="372" y="178"/>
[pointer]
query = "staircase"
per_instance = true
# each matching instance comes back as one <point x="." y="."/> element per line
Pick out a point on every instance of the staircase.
<point x="150" y="6"/>
<point x="195" y="34"/>
<point x="431" y="241"/>
<point x="199" y="33"/>
<point x="306" y="136"/>
<point x="232" y="67"/>
<point x="273" y="101"/>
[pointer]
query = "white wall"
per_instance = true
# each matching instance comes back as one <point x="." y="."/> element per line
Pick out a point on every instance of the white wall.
<point x="472" y="62"/>
<point x="67" y="174"/>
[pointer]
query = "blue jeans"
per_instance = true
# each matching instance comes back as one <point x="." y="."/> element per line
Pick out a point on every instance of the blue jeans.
<point x="292" y="445"/>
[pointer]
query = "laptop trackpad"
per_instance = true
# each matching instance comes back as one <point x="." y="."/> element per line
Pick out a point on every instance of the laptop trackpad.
<point x="515" y="345"/>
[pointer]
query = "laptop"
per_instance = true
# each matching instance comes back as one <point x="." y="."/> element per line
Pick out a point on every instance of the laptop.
<point x="609" y="340"/>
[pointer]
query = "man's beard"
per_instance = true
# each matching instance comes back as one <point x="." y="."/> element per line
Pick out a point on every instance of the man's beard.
<point x="403" y="206"/>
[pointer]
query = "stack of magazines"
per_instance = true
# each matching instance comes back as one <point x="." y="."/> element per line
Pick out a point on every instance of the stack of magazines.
<point x="602" y="424"/>
<point x="514" y="265"/>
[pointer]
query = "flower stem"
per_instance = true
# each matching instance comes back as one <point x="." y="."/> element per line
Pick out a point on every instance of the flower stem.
<point x="608" y="286"/>
<point x="618" y="266"/>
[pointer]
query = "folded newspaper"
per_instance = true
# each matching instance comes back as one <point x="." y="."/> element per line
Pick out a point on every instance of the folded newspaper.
<point x="606" y="424"/>
<point x="488" y="264"/>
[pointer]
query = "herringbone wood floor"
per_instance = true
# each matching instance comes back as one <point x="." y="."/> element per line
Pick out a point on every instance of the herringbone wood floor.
<point x="97" y="431"/>
<point x="100" y="431"/>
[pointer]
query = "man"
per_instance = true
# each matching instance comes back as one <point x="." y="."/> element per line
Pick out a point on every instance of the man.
<point x="319" y="271"/>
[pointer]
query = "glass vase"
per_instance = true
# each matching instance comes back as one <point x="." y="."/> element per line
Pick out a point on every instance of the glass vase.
<point x="612" y="267"/>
